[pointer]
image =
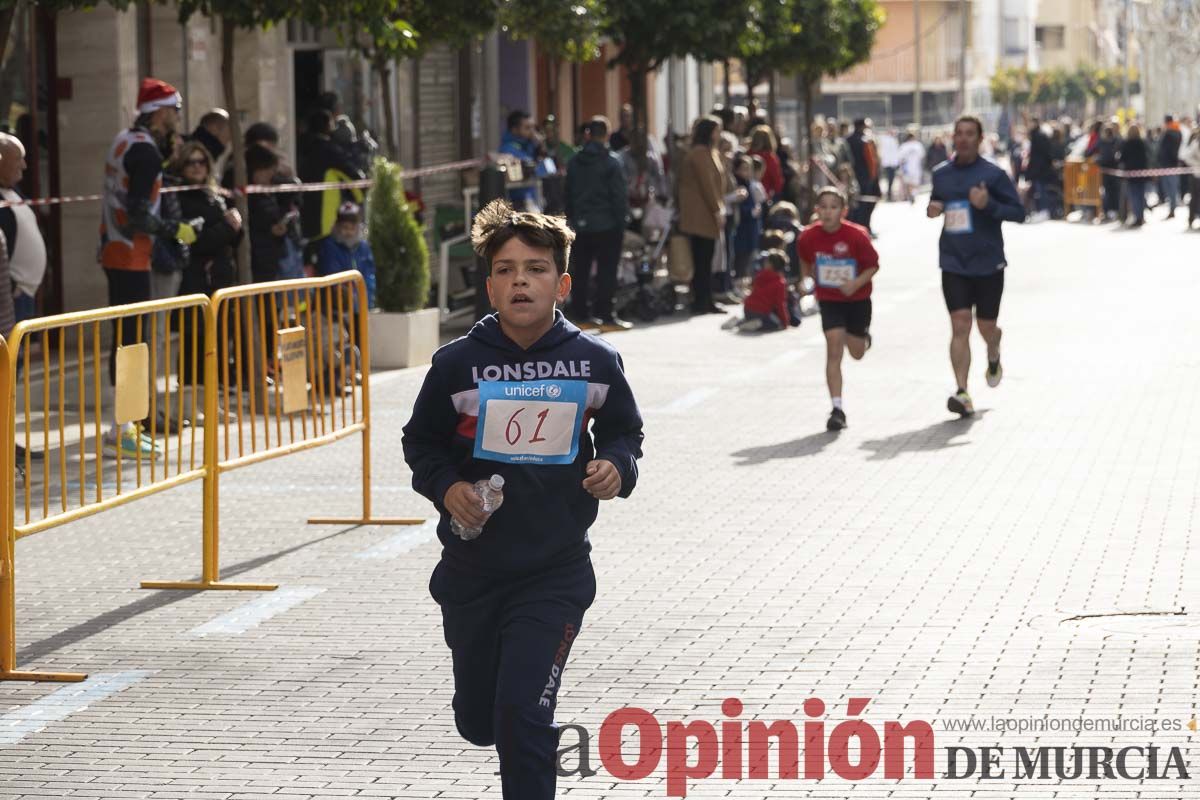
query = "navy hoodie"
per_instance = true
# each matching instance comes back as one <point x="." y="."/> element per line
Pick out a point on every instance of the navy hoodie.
<point x="981" y="252"/>
<point x="546" y="511"/>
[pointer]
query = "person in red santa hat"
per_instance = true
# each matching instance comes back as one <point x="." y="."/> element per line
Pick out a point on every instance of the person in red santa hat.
<point x="131" y="220"/>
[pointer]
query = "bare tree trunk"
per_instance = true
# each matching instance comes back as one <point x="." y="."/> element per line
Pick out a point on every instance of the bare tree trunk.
<point x="6" y="20"/>
<point x="637" y="93"/>
<point x="771" y="98"/>
<point x="554" y="67"/>
<point x="806" y="86"/>
<point x="390" y="147"/>
<point x="728" y="82"/>
<point x="239" y="150"/>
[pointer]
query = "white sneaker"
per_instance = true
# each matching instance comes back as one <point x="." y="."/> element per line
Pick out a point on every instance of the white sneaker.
<point x="731" y="323"/>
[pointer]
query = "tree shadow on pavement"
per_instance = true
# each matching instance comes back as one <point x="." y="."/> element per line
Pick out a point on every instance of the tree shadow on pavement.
<point x="939" y="436"/>
<point x="798" y="448"/>
<point x="153" y="601"/>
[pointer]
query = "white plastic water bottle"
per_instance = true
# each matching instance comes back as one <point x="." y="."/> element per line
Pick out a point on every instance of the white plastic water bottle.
<point x="491" y="492"/>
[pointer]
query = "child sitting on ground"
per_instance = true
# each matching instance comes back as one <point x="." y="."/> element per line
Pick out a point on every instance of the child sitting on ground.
<point x="766" y="307"/>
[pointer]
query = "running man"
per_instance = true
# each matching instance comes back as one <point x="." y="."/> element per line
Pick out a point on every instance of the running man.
<point x="975" y="196"/>
<point x="845" y="261"/>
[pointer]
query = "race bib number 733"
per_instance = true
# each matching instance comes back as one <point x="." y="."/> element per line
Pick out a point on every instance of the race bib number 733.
<point x="833" y="272"/>
<point x="530" y="422"/>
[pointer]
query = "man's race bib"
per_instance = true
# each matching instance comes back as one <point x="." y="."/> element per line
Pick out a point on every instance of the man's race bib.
<point x="833" y="272"/>
<point x="530" y="422"/>
<point x="958" y="217"/>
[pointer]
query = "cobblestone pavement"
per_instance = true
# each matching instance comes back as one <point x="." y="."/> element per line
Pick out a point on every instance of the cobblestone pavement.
<point x="1033" y="561"/>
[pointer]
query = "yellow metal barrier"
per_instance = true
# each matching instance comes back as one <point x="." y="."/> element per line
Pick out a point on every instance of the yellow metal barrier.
<point x="1081" y="184"/>
<point x="79" y="468"/>
<point x="296" y="354"/>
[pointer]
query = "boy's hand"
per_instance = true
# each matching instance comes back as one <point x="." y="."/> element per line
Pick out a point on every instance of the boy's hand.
<point x="465" y="505"/>
<point x="979" y="196"/>
<point x="850" y="287"/>
<point x="935" y="209"/>
<point x="602" y="481"/>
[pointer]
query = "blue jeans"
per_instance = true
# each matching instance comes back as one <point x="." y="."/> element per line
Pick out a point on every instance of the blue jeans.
<point x="1137" y="200"/>
<point x="1041" y="198"/>
<point x="24" y="306"/>
<point x="1170" y="187"/>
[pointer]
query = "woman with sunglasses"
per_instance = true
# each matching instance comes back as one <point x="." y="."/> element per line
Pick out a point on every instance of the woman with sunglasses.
<point x="210" y="264"/>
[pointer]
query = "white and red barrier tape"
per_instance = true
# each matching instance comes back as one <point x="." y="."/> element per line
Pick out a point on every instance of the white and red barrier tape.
<point x="1152" y="173"/>
<point x="282" y="188"/>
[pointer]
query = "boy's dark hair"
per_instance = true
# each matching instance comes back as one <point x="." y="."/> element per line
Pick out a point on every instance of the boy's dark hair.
<point x="776" y="259"/>
<point x="261" y="157"/>
<point x="972" y="120"/>
<point x="497" y="223"/>
<point x="832" y="191"/>
<point x="598" y="128"/>
<point x="517" y="117"/>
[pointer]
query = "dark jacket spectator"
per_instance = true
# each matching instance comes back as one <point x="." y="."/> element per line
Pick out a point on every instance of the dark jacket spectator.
<point x="597" y="196"/>
<point x="319" y="160"/>
<point x="1041" y="157"/>
<point x="210" y="263"/>
<point x="267" y="223"/>
<point x="1134" y="155"/>
<point x="1168" y="147"/>
<point x="7" y="315"/>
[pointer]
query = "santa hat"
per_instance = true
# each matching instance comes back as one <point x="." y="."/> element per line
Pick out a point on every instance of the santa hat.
<point x="155" y="94"/>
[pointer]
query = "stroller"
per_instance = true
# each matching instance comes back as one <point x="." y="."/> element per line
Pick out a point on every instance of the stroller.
<point x="643" y="290"/>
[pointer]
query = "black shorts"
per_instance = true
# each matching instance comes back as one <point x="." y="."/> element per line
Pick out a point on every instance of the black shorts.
<point x="981" y="292"/>
<point x="855" y="316"/>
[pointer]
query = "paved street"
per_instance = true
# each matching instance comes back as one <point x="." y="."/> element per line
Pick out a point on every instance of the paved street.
<point x="1037" y="560"/>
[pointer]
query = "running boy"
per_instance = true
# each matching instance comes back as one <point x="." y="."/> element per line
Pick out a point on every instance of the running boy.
<point x="513" y="397"/>
<point x="844" y="261"/>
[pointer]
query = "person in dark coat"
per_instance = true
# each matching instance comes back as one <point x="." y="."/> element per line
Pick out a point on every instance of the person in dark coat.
<point x="1040" y="169"/>
<point x="268" y="221"/>
<point x="1134" y="155"/>
<point x="866" y="172"/>
<point x="319" y="160"/>
<point x="1106" y="152"/>
<point x="597" y="209"/>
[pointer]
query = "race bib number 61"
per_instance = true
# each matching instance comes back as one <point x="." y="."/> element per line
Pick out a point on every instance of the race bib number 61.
<point x="530" y="422"/>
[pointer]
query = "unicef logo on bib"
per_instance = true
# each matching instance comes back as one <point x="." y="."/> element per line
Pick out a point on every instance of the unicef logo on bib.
<point x="530" y="422"/>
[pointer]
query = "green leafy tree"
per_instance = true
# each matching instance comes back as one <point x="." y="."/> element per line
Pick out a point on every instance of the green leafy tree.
<point x="252" y="14"/>
<point x="401" y="255"/>
<point x="812" y="39"/>
<point x="385" y="31"/>
<point x="564" y="30"/>
<point x="648" y="32"/>
<point x="8" y="12"/>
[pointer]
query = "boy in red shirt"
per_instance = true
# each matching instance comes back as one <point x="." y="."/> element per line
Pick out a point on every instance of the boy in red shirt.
<point x="840" y="257"/>
<point x="766" y="307"/>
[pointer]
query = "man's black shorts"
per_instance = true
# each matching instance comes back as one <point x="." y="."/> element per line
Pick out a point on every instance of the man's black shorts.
<point x="982" y="292"/>
<point x="855" y="317"/>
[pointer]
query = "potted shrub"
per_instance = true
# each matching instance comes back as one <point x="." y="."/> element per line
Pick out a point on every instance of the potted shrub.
<point x="403" y="332"/>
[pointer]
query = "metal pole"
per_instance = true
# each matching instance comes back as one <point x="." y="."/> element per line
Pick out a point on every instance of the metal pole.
<point x="962" y="57"/>
<point x="1125" y="68"/>
<point x="917" y="63"/>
